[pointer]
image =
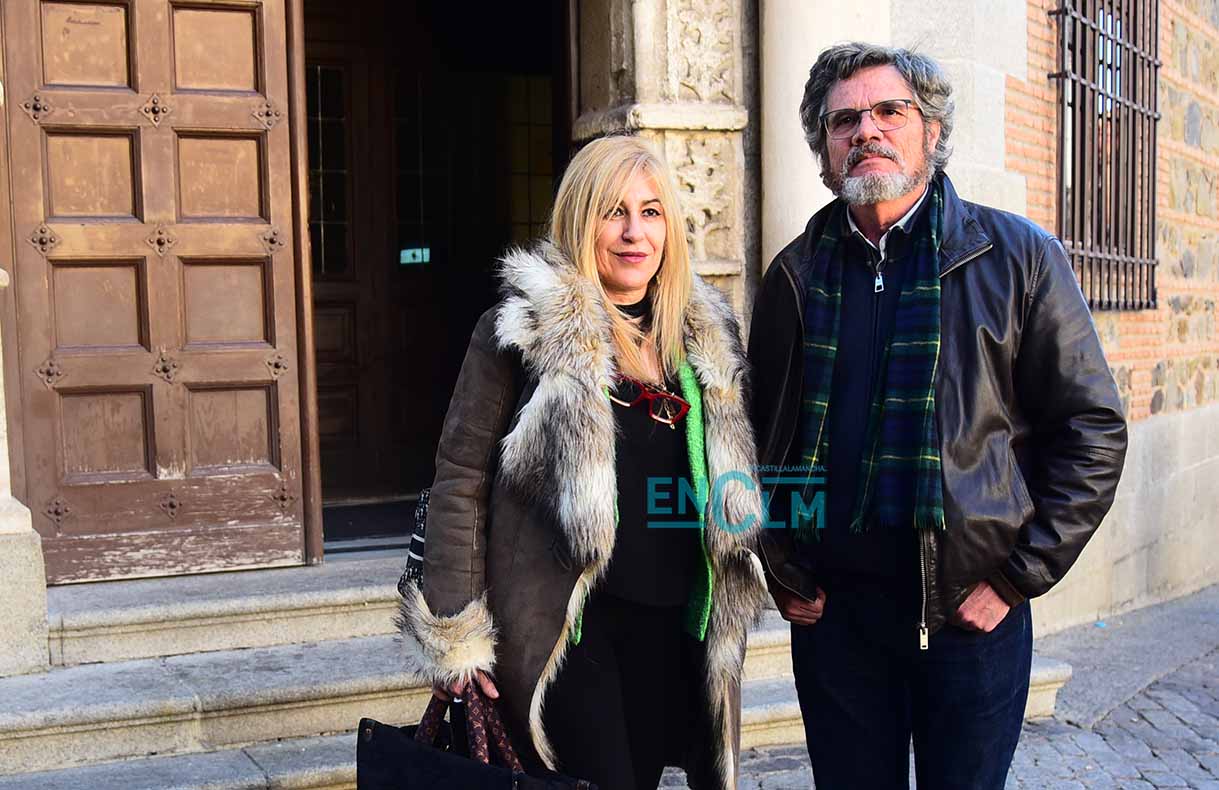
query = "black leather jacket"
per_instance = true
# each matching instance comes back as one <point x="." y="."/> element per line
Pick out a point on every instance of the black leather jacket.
<point x="1032" y="430"/>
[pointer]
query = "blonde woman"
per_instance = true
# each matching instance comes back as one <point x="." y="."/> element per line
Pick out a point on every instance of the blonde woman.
<point x="588" y="553"/>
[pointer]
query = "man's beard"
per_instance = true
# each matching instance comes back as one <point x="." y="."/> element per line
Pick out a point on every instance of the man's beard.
<point x="872" y="188"/>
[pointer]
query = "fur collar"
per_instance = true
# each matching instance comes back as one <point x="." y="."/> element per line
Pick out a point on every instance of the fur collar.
<point x="562" y="448"/>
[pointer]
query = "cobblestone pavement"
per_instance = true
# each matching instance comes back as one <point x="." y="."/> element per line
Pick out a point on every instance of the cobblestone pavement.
<point x="1166" y="736"/>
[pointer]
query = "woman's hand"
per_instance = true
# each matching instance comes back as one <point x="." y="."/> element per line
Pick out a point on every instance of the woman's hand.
<point x="458" y="688"/>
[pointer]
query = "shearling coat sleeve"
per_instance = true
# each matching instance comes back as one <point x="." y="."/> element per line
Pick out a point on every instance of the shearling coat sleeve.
<point x="1079" y="430"/>
<point x="446" y="630"/>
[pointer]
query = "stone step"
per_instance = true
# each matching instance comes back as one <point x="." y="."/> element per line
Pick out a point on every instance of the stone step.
<point x="770" y="716"/>
<point x="1049" y="675"/>
<point x="341" y="599"/>
<point x="324" y="763"/>
<point x="768" y="651"/>
<point x="344" y="598"/>
<point x="203" y="701"/>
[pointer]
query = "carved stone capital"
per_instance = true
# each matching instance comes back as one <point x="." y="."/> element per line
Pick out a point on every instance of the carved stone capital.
<point x="703" y="62"/>
<point x="708" y="172"/>
<point x="676" y="115"/>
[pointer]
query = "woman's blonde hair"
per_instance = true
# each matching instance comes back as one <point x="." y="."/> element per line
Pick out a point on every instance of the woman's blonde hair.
<point x="592" y="187"/>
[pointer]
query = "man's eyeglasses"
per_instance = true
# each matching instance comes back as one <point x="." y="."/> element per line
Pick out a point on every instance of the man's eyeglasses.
<point x="664" y="407"/>
<point x="887" y="115"/>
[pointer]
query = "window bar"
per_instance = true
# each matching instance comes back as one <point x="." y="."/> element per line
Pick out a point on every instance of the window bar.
<point x="1155" y="110"/>
<point x="1065" y="215"/>
<point x="1138" y="142"/>
<point x="1129" y="121"/>
<point x="1114" y="149"/>
<point x="1104" y="66"/>
<point x="1096" y="164"/>
<point x="1149" y="175"/>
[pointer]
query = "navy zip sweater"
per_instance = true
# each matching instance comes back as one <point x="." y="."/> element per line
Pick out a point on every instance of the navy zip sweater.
<point x="867" y="317"/>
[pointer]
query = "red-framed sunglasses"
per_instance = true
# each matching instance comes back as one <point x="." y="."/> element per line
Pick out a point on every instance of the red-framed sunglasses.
<point x="663" y="406"/>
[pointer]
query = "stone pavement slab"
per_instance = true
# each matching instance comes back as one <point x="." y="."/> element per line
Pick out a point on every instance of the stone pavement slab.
<point x="1112" y="664"/>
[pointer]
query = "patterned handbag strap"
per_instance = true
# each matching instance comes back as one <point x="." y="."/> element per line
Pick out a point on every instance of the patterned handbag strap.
<point x="429" y="725"/>
<point x="495" y="729"/>
<point x="476" y="725"/>
<point x="483" y="727"/>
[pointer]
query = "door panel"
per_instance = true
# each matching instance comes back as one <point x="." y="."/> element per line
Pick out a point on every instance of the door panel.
<point x="155" y="284"/>
<point x="349" y="190"/>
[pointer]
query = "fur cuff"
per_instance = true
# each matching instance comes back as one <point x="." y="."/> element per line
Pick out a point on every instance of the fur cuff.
<point x="444" y="650"/>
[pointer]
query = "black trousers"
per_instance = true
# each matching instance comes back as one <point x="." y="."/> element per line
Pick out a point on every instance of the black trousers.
<point x="865" y="689"/>
<point x="624" y="704"/>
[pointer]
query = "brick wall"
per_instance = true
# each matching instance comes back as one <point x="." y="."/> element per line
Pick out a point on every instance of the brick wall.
<point x="1167" y="359"/>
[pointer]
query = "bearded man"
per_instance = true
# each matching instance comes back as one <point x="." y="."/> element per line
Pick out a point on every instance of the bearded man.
<point x="934" y="364"/>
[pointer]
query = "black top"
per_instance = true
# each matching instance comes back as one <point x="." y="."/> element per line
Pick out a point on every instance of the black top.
<point x="657" y="541"/>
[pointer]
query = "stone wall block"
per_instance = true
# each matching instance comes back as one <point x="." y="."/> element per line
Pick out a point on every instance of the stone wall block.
<point x="984" y="32"/>
<point x="1207" y="499"/>
<point x="1194" y="55"/>
<point x="1192" y="188"/>
<point x="607" y="58"/>
<point x="1206" y="9"/>
<point x="1129" y="583"/>
<point x="23" y="599"/>
<point x="1158" y="541"/>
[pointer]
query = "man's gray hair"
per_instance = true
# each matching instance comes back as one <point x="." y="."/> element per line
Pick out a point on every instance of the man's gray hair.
<point x="932" y="92"/>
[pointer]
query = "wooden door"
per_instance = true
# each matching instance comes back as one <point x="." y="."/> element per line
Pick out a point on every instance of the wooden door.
<point x="155" y="284"/>
<point x="349" y="190"/>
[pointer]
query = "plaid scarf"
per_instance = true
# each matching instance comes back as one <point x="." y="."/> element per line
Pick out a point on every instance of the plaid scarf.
<point x="900" y="482"/>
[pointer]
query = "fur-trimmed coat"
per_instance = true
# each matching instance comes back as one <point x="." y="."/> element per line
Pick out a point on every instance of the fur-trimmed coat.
<point x="521" y="520"/>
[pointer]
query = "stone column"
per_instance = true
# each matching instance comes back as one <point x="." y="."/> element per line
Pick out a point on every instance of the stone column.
<point x="979" y="43"/>
<point x="672" y="70"/>
<point x="23" y="585"/>
<point x="793" y="33"/>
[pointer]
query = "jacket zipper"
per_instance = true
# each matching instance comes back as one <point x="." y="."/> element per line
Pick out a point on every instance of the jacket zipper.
<point x="924" y="637"/>
<point x="878" y="268"/>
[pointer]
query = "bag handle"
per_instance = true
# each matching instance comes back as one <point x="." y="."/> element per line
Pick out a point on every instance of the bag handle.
<point x="429" y="725"/>
<point x="486" y="724"/>
<point x="483" y="727"/>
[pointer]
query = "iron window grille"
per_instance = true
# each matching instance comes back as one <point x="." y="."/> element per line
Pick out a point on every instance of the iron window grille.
<point x="1108" y="63"/>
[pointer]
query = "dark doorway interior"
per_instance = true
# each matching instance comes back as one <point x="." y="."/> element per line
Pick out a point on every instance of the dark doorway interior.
<point x="435" y="133"/>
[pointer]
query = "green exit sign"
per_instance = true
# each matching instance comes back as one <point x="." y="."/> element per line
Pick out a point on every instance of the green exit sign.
<point x="409" y="256"/>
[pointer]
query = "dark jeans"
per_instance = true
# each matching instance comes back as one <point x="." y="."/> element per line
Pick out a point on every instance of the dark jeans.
<point x="865" y="689"/>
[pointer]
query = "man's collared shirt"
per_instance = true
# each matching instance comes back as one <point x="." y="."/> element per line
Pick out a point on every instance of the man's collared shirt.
<point x="901" y="223"/>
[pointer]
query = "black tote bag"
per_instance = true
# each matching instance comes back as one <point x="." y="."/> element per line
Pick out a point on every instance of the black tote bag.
<point x="453" y="755"/>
